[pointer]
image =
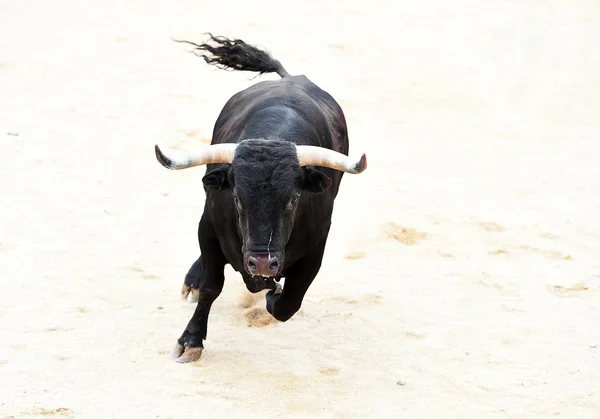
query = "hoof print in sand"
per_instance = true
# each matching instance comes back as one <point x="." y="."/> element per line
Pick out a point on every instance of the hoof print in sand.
<point x="58" y="329"/>
<point x="572" y="291"/>
<point x="492" y="227"/>
<point x="549" y="254"/>
<point x="498" y="252"/>
<point x="405" y="235"/>
<point x="145" y="274"/>
<point x="413" y="335"/>
<point x="354" y="255"/>
<point x="330" y="371"/>
<point x="258" y="317"/>
<point x="61" y="411"/>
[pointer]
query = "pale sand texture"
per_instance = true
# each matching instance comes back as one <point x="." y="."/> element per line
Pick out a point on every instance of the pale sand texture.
<point x="462" y="275"/>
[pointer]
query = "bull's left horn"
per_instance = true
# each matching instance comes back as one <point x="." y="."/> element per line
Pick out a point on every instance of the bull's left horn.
<point x="309" y="155"/>
<point x="216" y="153"/>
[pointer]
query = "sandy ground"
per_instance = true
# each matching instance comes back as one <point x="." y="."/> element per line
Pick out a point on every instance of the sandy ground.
<point x="462" y="274"/>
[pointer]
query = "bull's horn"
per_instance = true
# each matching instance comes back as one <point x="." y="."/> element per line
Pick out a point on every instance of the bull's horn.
<point x="309" y="155"/>
<point x="216" y="153"/>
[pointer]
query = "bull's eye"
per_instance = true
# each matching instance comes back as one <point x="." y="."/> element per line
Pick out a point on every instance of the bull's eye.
<point x="292" y="203"/>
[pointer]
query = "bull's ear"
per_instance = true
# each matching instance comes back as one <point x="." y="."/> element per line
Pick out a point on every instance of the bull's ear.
<point x="315" y="181"/>
<point x="217" y="178"/>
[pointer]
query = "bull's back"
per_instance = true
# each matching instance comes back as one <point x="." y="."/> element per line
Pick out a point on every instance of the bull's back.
<point x="297" y="94"/>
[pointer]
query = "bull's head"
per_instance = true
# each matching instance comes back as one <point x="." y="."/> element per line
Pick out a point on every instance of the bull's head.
<point x="266" y="180"/>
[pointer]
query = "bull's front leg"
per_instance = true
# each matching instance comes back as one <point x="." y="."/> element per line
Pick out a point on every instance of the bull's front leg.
<point x="190" y="345"/>
<point x="284" y="303"/>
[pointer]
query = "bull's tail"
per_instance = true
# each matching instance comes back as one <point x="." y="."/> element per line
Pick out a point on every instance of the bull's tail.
<point x="235" y="54"/>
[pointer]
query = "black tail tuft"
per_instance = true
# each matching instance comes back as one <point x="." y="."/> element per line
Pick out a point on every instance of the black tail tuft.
<point x="235" y="54"/>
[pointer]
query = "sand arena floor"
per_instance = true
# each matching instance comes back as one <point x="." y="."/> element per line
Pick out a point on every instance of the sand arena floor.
<point x="462" y="273"/>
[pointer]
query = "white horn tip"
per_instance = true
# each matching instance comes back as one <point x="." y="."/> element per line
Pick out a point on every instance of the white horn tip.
<point x="164" y="160"/>
<point x="361" y="165"/>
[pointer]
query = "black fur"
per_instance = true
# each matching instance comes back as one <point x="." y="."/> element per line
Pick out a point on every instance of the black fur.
<point x="264" y="201"/>
<point x="237" y="55"/>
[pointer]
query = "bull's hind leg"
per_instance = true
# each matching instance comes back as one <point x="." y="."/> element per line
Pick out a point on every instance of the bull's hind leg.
<point x="284" y="304"/>
<point x="190" y="345"/>
<point x="191" y="284"/>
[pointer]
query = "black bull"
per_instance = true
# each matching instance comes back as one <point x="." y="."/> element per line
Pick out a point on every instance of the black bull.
<point x="268" y="207"/>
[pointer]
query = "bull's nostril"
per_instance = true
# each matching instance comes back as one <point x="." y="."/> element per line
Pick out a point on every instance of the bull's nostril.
<point x="262" y="265"/>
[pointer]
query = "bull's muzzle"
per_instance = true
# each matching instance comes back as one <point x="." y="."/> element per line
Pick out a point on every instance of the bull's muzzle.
<point x="258" y="264"/>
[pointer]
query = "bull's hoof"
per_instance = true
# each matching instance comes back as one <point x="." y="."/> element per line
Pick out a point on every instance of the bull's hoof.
<point x="195" y="295"/>
<point x="190" y="355"/>
<point x="183" y="355"/>
<point x="177" y="351"/>
<point x="186" y="290"/>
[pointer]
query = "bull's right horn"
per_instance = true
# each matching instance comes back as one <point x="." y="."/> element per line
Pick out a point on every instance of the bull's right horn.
<point x="215" y="153"/>
<point x="309" y="155"/>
